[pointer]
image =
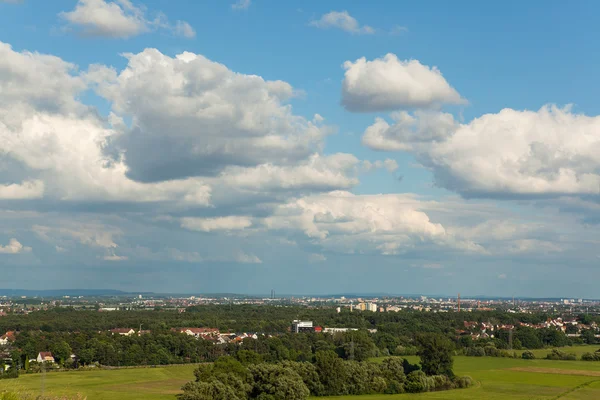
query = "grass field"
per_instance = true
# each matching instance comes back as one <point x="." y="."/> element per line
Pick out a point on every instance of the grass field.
<point x="497" y="378"/>
<point x="124" y="384"/>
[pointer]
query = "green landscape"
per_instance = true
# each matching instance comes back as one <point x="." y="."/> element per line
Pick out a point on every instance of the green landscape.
<point x="496" y="378"/>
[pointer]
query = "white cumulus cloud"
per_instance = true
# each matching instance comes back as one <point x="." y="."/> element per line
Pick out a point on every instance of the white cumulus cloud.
<point x="119" y="19"/>
<point x="385" y="224"/>
<point x="14" y="247"/>
<point x="549" y="152"/>
<point x="388" y="83"/>
<point x="194" y="117"/>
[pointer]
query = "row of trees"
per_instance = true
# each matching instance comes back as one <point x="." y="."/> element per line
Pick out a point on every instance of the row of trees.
<point x="168" y="347"/>
<point x="248" y="377"/>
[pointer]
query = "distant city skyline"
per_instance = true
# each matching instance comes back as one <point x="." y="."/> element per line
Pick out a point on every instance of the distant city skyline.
<point x="251" y="146"/>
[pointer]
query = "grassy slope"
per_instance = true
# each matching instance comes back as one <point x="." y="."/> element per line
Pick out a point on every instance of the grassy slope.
<point x="497" y="379"/>
<point x="127" y="384"/>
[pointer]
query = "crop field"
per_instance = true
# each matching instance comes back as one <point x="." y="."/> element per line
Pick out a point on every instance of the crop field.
<point x="497" y="378"/>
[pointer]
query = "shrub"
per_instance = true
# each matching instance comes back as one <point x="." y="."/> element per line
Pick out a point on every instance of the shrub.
<point x="463" y="382"/>
<point x="10" y="373"/>
<point x="476" y="351"/>
<point x="405" y="351"/>
<point x="560" y="355"/>
<point x="590" y="357"/>
<point x="528" y="355"/>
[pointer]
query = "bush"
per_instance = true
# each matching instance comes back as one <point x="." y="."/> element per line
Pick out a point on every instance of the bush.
<point x="528" y="355"/>
<point x="590" y="357"/>
<point x="463" y="382"/>
<point x="476" y="351"/>
<point x="10" y="373"/>
<point x="560" y="355"/>
<point x="405" y="351"/>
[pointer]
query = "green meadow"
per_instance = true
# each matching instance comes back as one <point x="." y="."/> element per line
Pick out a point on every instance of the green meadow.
<point x="496" y="378"/>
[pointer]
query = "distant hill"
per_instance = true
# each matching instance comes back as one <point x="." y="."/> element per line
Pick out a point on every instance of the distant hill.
<point x="66" y="292"/>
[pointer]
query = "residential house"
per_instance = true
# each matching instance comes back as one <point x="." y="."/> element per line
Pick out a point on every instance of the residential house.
<point x="122" y="331"/>
<point x="7" y="338"/>
<point x="45" y="356"/>
<point x="198" y="333"/>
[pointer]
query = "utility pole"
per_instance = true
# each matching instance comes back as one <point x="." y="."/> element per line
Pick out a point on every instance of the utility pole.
<point x="43" y="389"/>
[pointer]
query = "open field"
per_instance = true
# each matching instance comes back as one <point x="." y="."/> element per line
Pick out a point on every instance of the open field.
<point x="124" y="384"/>
<point x="497" y="378"/>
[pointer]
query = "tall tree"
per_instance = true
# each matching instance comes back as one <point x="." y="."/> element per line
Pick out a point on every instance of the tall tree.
<point x="436" y="354"/>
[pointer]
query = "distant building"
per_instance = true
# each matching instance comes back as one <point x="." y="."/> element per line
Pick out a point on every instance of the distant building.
<point x="7" y="338"/>
<point x="45" y="356"/>
<point x="302" y="326"/>
<point x="122" y="331"/>
<point x="200" y="332"/>
<point x="338" y="330"/>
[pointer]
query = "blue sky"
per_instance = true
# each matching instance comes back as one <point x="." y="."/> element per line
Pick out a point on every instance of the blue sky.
<point x="310" y="147"/>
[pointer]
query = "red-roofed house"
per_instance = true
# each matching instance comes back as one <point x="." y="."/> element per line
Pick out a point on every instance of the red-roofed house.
<point x="7" y="337"/>
<point x="45" y="356"/>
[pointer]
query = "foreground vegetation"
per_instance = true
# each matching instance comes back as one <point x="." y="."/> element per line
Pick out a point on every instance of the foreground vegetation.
<point x="496" y="378"/>
<point x="329" y="375"/>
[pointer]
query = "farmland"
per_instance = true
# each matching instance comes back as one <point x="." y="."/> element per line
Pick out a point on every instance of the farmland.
<point x="497" y="378"/>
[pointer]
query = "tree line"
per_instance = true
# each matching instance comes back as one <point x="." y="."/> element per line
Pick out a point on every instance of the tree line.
<point x="328" y="374"/>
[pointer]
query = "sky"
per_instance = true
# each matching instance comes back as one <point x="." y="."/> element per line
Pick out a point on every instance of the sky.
<point x="306" y="147"/>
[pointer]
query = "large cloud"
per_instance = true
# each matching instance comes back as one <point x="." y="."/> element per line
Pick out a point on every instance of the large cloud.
<point x="550" y="152"/>
<point x="388" y="83"/>
<point x="119" y="19"/>
<point x="382" y="224"/>
<point x="194" y="117"/>
<point x="197" y="129"/>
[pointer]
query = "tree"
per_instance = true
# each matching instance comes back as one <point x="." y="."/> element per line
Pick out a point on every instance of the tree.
<point x="247" y="357"/>
<point x="357" y="345"/>
<point x="392" y="370"/>
<point x="331" y="372"/>
<point x="588" y="336"/>
<point x="273" y="381"/>
<point x="61" y="351"/>
<point x="308" y="373"/>
<point x="528" y="337"/>
<point x="436" y="354"/>
<point x="213" y="390"/>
